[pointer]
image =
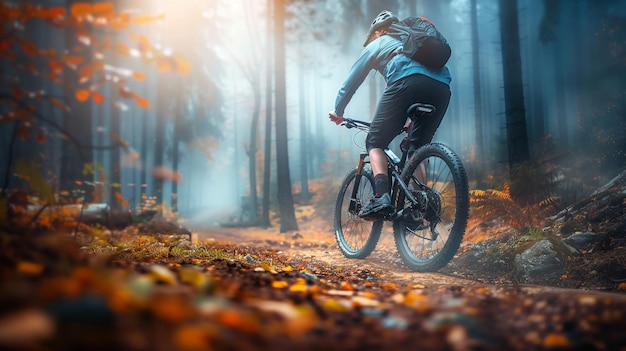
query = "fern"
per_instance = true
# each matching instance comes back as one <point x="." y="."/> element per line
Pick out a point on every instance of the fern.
<point x="492" y="204"/>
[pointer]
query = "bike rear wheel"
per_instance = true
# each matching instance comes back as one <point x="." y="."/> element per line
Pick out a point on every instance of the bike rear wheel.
<point x="428" y="236"/>
<point x="355" y="236"/>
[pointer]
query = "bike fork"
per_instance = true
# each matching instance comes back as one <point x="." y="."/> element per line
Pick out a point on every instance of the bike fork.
<point x="357" y="181"/>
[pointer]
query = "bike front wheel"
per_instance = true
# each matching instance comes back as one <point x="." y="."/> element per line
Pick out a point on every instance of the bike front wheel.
<point x="428" y="235"/>
<point x="355" y="236"/>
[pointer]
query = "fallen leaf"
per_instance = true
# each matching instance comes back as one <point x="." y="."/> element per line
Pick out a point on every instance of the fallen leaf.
<point x="194" y="337"/>
<point x="30" y="268"/>
<point x="279" y="284"/>
<point x="555" y="340"/>
<point x="25" y="327"/>
<point x="161" y="274"/>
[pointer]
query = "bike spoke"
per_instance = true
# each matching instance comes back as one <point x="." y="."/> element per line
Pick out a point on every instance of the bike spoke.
<point x="355" y="236"/>
<point x="428" y="235"/>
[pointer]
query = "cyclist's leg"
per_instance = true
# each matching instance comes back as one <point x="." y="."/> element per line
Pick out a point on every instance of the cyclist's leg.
<point x="387" y="122"/>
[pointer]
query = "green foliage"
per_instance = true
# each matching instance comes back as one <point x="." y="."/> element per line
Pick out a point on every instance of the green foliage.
<point x="30" y="171"/>
<point x="92" y="167"/>
<point x="531" y="234"/>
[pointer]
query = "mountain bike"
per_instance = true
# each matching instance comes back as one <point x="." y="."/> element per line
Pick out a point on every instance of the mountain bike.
<point x="429" y="192"/>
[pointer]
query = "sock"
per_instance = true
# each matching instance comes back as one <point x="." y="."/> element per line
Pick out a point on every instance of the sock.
<point x="381" y="184"/>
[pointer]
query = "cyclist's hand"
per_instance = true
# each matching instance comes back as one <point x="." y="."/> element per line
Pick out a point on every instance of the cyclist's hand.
<point x="334" y="118"/>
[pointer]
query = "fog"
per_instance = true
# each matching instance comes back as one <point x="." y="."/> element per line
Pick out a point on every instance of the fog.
<point x="227" y="45"/>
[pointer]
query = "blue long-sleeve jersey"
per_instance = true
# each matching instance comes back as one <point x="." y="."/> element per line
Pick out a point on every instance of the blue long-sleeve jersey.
<point x="381" y="55"/>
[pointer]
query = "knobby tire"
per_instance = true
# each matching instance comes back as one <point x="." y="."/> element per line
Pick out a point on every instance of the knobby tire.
<point x="356" y="237"/>
<point x="446" y="180"/>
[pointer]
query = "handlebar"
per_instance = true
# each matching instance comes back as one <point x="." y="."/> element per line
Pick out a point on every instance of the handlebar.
<point x="416" y="110"/>
<point x="355" y="123"/>
<point x="365" y="126"/>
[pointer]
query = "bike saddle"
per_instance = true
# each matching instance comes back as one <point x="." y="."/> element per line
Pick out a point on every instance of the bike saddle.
<point x="419" y="109"/>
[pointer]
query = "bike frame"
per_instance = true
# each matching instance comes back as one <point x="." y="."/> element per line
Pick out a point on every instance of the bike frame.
<point x="395" y="165"/>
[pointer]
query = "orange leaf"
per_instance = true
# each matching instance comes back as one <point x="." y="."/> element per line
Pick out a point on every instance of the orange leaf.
<point x="166" y="174"/>
<point x="279" y="284"/>
<point x="55" y="12"/>
<point x="148" y="19"/>
<point x="29" y="48"/>
<point x="22" y="133"/>
<point x="30" y="268"/>
<point x="144" y="44"/>
<point x="55" y="67"/>
<point x="103" y="8"/>
<point x="40" y="137"/>
<point x="81" y="9"/>
<point x="194" y="337"/>
<point x="85" y="72"/>
<point x="122" y="49"/>
<point x="139" y="75"/>
<point x="72" y="60"/>
<point x="163" y="64"/>
<point x="182" y="66"/>
<point x="82" y="95"/>
<point x="141" y="101"/>
<point x="118" y="197"/>
<point x="4" y="44"/>
<point x="121" y="21"/>
<point x="97" y="97"/>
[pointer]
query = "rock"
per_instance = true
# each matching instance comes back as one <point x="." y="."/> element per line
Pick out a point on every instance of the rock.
<point x="539" y="262"/>
<point x="582" y="241"/>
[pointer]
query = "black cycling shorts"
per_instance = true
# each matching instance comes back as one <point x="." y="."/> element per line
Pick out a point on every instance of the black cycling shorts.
<point x="391" y="111"/>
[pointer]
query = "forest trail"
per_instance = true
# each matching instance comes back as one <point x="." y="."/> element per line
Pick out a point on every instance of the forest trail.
<point x="321" y="247"/>
<point x="440" y="310"/>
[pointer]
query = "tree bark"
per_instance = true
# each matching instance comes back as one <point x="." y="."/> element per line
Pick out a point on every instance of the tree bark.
<point x="285" y="197"/>
<point x="517" y="135"/>
<point x="76" y="122"/>
<point x="478" y="105"/>
<point x="267" y="161"/>
<point x="254" y="130"/>
<point x="305" y="196"/>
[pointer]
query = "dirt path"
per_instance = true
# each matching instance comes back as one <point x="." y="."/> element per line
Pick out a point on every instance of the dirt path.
<point x="442" y="311"/>
<point x="321" y="246"/>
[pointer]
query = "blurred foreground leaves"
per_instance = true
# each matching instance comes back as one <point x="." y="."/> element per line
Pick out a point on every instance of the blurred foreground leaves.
<point x="127" y="290"/>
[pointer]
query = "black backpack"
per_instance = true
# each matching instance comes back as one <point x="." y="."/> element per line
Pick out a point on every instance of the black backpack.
<point x="421" y="41"/>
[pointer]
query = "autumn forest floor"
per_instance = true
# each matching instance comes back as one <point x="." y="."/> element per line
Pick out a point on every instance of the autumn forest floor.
<point x="249" y="288"/>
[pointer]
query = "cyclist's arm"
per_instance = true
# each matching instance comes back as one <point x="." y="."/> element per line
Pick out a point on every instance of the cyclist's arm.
<point x="359" y="71"/>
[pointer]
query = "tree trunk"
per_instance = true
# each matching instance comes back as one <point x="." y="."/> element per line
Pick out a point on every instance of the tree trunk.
<point x="160" y="139"/>
<point x="77" y="123"/>
<point x="254" y="131"/>
<point x="285" y="197"/>
<point x="517" y="137"/>
<point x="267" y="162"/>
<point x="560" y="85"/>
<point x="478" y="105"/>
<point x="179" y="116"/>
<point x="305" y="195"/>
<point x="115" y="179"/>
<point x="145" y="136"/>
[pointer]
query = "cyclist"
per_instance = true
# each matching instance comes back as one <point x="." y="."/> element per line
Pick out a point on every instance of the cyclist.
<point x="408" y="82"/>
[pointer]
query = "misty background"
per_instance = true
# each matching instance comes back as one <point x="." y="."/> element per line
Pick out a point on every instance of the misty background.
<point x="573" y="64"/>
